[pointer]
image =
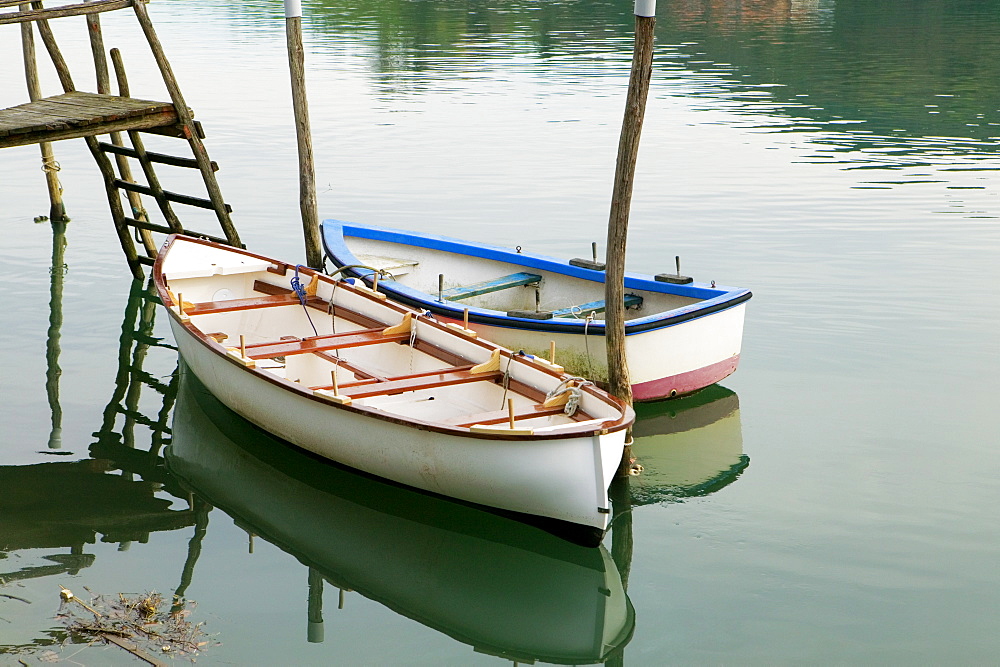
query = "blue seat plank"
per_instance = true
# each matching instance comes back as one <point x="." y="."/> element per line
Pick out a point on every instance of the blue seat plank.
<point x="495" y="285"/>
<point x="631" y="301"/>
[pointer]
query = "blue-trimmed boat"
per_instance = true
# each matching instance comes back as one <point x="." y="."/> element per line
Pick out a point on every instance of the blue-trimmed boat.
<point x="681" y="335"/>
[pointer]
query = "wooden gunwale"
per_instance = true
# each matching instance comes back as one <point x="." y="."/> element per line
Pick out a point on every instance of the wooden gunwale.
<point x="610" y="425"/>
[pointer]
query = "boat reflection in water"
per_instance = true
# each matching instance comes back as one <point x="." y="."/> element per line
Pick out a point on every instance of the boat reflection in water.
<point x="691" y="446"/>
<point x="501" y="586"/>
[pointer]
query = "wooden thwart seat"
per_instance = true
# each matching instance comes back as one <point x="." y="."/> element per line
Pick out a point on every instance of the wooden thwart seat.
<point x="487" y="286"/>
<point x="229" y="305"/>
<point x="501" y="416"/>
<point x="339" y="341"/>
<point x="631" y="301"/>
<point x="440" y="378"/>
<point x="367" y="377"/>
<point x="276" y="296"/>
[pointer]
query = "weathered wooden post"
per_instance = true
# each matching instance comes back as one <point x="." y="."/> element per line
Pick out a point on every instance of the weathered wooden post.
<point x="57" y="209"/>
<point x="619" y="383"/>
<point x="300" y="106"/>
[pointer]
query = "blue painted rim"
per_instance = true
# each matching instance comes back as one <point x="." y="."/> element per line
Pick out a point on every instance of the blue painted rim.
<point x="334" y="232"/>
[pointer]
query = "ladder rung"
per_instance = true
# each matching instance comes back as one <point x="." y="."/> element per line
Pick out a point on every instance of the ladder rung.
<point x="163" y="229"/>
<point x="149" y="226"/>
<point x="148" y="261"/>
<point x="172" y="196"/>
<point x="159" y="158"/>
<point x="176" y="131"/>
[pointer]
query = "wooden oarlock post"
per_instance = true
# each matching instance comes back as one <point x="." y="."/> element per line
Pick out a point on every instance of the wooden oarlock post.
<point x="300" y="107"/>
<point x="619" y="383"/>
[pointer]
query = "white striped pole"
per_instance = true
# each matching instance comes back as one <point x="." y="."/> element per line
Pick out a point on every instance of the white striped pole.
<point x="619" y="383"/>
<point x="303" y="133"/>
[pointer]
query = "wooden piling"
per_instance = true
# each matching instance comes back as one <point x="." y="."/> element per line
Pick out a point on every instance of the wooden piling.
<point x="186" y="119"/>
<point x="49" y="40"/>
<point x="97" y="49"/>
<point x="303" y="133"/>
<point x="57" y="208"/>
<point x="619" y="383"/>
<point x="124" y="169"/>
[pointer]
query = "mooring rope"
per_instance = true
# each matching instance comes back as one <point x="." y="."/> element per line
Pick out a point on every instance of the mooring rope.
<point x="586" y="344"/>
<point x="573" y="385"/>
<point x="300" y="291"/>
<point x="506" y="381"/>
<point x="382" y="272"/>
<point x="50" y="165"/>
<point x="333" y="317"/>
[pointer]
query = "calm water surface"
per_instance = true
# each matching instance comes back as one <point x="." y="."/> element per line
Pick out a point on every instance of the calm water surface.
<point x="834" y="502"/>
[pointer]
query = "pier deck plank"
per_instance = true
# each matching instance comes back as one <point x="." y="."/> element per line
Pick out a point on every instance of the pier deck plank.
<point x="80" y="114"/>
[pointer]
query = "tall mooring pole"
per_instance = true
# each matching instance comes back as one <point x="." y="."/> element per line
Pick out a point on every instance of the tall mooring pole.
<point x="621" y="199"/>
<point x="300" y="106"/>
<point x="619" y="383"/>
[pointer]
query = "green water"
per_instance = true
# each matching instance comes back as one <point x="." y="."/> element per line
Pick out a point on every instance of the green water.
<point x="833" y="503"/>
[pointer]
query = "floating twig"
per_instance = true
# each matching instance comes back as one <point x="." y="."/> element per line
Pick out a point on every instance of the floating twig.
<point x="67" y="596"/>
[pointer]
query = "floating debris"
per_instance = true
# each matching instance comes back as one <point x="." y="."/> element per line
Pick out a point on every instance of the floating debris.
<point x="141" y="624"/>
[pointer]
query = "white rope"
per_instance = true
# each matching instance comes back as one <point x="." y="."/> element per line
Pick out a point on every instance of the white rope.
<point x="573" y="385"/>
<point x="49" y="164"/>
<point x="586" y="344"/>
<point x="506" y="382"/>
<point x="413" y="339"/>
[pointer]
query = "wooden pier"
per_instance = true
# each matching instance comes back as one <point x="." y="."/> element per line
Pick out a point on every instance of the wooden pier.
<point x="75" y="114"/>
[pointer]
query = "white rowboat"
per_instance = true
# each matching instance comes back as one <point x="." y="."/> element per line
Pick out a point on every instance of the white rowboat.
<point x="504" y="588"/>
<point x="680" y="335"/>
<point x="348" y="375"/>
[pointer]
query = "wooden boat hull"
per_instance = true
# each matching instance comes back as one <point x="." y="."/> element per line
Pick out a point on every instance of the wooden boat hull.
<point x="681" y="337"/>
<point x="502" y="587"/>
<point x="549" y="472"/>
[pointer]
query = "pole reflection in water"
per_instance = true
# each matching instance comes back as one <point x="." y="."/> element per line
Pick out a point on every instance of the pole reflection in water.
<point x="688" y="447"/>
<point x="621" y="541"/>
<point x="52" y="370"/>
<point x="500" y="586"/>
<point x="68" y="505"/>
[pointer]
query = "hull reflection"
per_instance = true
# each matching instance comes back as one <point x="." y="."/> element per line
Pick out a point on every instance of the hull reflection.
<point x="503" y="587"/>
<point x="688" y="447"/>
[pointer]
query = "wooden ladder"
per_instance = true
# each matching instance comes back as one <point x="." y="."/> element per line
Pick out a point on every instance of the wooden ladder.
<point x="89" y="115"/>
